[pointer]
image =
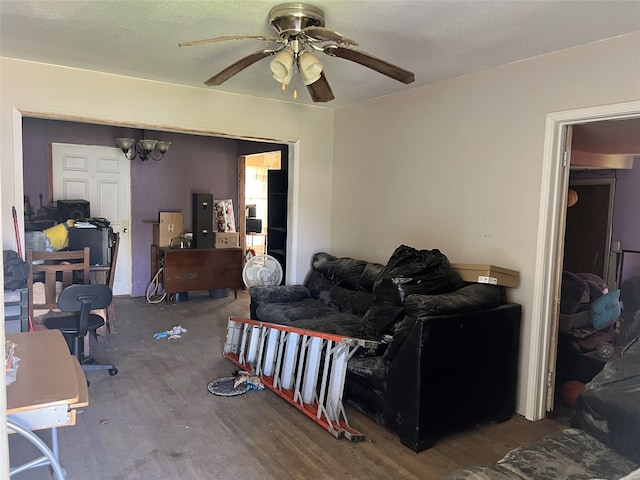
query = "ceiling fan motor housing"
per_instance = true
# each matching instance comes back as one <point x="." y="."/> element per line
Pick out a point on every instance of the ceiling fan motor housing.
<point x="294" y="17"/>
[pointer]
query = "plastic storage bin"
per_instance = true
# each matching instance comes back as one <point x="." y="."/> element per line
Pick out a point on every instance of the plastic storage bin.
<point x="16" y="306"/>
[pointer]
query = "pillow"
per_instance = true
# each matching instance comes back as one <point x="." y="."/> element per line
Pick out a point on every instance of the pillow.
<point x="605" y="310"/>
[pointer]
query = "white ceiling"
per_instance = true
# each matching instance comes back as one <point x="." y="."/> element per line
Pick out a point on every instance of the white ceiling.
<point x="437" y="40"/>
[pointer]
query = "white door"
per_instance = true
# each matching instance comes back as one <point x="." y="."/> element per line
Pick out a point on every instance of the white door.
<point x="101" y="175"/>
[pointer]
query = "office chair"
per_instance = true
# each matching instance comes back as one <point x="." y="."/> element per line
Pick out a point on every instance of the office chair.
<point x="82" y="299"/>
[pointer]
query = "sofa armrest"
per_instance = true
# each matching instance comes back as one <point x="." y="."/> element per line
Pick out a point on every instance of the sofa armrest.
<point x="452" y="371"/>
<point x="261" y="294"/>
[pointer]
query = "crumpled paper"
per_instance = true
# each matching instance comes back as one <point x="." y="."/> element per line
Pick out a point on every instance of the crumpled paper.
<point x="253" y="380"/>
<point x="172" y="334"/>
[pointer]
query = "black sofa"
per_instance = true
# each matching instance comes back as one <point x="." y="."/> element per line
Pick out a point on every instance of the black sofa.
<point x="448" y="351"/>
<point x="602" y="443"/>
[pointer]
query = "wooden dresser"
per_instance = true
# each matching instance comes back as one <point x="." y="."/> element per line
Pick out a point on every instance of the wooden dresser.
<point x="193" y="269"/>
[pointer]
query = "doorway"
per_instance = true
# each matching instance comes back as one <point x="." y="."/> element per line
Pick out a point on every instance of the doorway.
<point x="256" y="203"/>
<point x="553" y="201"/>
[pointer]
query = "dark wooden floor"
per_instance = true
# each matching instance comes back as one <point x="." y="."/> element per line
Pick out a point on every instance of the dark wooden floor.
<point x="156" y="419"/>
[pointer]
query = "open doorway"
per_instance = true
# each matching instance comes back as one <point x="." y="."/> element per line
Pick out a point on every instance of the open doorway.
<point x="600" y="222"/>
<point x="255" y="197"/>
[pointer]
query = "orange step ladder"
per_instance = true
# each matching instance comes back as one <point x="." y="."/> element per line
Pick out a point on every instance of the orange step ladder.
<point x="306" y="368"/>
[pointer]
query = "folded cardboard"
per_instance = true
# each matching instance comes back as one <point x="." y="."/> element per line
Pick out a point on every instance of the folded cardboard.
<point x="490" y="274"/>
<point x="170" y="226"/>
<point x="226" y="240"/>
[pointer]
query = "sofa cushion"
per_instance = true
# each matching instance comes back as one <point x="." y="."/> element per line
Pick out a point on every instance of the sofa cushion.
<point x="380" y="319"/>
<point x="287" y="313"/>
<point x="344" y="272"/>
<point x="318" y="286"/>
<point x="369" y="276"/>
<point x="474" y="296"/>
<point x="278" y="294"/>
<point x="334" y="296"/>
<point x="344" y="324"/>
<point x="361" y="302"/>
<point x="566" y="454"/>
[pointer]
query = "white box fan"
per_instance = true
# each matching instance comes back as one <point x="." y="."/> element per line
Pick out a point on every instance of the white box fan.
<point x="262" y="270"/>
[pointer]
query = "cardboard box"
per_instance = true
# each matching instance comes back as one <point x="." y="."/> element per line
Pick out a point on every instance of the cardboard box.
<point x="490" y="274"/>
<point x="226" y="240"/>
<point x="170" y="226"/>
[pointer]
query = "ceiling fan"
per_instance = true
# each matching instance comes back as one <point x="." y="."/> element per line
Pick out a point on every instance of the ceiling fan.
<point x="301" y="29"/>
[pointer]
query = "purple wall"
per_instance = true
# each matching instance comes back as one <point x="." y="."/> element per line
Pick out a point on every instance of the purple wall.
<point x="193" y="164"/>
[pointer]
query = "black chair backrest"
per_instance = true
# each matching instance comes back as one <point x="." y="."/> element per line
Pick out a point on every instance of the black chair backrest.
<point x="83" y="299"/>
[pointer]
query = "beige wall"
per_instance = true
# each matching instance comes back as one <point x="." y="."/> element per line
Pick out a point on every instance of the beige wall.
<point x="29" y="87"/>
<point x="458" y="164"/>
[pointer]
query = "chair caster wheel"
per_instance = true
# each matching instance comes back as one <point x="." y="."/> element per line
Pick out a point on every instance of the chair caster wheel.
<point x="113" y="371"/>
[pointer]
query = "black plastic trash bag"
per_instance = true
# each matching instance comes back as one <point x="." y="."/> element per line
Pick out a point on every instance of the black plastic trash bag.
<point x="16" y="270"/>
<point x="608" y="407"/>
<point x="410" y="271"/>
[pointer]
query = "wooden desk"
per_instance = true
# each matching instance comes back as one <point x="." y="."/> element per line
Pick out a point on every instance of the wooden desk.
<point x="194" y="269"/>
<point x="49" y="386"/>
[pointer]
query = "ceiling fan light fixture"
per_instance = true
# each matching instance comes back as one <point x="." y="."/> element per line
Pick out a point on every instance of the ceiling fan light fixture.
<point x="284" y="81"/>
<point x="301" y="29"/>
<point x="282" y="66"/>
<point x="310" y="68"/>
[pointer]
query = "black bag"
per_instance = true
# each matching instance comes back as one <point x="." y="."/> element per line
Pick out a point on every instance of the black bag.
<point x="16" y="270"/>
<point x="410" y="271"/>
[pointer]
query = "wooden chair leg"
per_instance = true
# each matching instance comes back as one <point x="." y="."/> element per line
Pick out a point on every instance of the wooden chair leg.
<point x="101" y="334"/>
<point x="111" y="318"/>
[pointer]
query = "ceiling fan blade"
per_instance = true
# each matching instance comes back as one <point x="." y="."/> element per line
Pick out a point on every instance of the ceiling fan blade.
<point x="320" y="90"/>
<point x="230" y="37"/>
<point x="369" y="61"/>
<point x="322" y="34"/>
<point x="237" y="67"/>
